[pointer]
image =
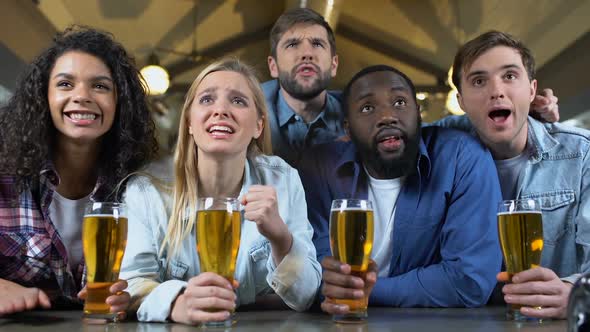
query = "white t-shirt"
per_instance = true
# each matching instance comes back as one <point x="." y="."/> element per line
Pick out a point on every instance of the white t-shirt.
<point x="67" y="216"/>
<point x="383" y="194"/>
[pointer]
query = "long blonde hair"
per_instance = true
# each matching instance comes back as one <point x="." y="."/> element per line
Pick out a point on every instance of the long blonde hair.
<point x="183" y="216"/>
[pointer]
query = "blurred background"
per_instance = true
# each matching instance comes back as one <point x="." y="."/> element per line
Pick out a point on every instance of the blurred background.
<point x="418" y="37"/>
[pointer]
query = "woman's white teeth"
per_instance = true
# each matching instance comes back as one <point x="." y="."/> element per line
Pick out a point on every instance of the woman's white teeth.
<point x="82" y="116"/>
<point x="221" y="128"/>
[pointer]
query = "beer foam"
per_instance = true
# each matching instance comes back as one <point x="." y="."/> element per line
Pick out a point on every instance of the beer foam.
<point x="104" y="215"/>
<point x="351" y="209"/>
<point x="518" y="212"/>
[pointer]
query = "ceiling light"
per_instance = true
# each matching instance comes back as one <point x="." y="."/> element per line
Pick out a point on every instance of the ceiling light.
<point x="156" y="76"/>
<point x="421" y="95"/>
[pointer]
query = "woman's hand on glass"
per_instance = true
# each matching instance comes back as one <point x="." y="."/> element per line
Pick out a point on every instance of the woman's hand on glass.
<point x="207" y="297"/>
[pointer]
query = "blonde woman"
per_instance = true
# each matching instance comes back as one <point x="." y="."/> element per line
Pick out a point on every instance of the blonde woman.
<point x="222" y="138"/>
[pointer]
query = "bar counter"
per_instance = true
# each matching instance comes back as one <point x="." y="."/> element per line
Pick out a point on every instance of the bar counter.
<point x="488" y="319"/>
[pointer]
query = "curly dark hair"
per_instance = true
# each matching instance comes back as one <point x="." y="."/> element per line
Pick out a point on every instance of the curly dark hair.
<point x="27" y="133"/>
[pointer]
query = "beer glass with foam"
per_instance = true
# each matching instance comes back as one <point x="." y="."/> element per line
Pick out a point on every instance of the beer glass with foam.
<point x="218" y="239"/>
<point x="104" y="235"/>
<point x="351" y="241"/>
<point x="520" y="227"/>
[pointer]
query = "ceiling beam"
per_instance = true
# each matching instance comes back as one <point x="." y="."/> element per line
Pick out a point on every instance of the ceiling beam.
<point x="380" y="41"/>
<point x="565" y="74"/>
<point x="219" y="49"/>
<point x="24" y="29"/>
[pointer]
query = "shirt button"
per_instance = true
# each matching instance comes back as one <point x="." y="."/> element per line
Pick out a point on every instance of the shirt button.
<point x="274" y="284"/>
<point x="297" y="117"/>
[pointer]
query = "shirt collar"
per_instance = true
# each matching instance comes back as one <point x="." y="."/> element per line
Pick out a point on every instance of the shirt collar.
<point x="539" y="140"/>
<point x="286" y="113"/>
<point x="49" y="173"/>
<point x="248" y="180"/>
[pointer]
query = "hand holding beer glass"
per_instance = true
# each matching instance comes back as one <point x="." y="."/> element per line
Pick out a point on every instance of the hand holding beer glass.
<point x="351" y="242"/>
<point x="520" y="227"/>
<point x="104" y="235"/>
<point x="218" y="240"/>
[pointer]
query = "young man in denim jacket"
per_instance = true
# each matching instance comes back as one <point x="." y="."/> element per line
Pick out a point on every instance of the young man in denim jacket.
<point x="494" y="74"/>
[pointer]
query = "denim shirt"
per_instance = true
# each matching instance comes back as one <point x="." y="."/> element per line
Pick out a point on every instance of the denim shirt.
<point x="445" y="240"/>
<point x="291" y="136"/>
<point x="155" y="282"/>
<point x="558" y="175"/>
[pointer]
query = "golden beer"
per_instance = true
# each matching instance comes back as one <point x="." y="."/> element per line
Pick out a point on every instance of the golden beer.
<point x="351" y="241"/>
<point x="218" y="241"/>
<point x="521" y="239"/>
<point x="104" y="238"/>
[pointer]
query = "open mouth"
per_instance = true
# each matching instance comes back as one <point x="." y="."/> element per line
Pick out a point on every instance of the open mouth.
<point x="217" y="129"/>
<point x="307" y="69"/>
<point x="499" y="115"/>
<point x="81" y="116"/>
<point x="389" y="139"/>
<point x="390" y="142"/>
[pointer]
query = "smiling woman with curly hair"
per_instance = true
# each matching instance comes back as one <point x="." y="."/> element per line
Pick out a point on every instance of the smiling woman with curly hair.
<point x="77" y="125"/>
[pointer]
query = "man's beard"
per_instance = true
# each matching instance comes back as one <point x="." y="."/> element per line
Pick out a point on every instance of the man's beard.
<point x="297" y="91"/>
<point x="392" y="168"/>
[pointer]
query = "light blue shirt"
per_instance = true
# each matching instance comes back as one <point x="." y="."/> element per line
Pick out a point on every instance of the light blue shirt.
<point x="291" y="135"/>
<point x="557" y="173"/>
<point x="155" y="282"/>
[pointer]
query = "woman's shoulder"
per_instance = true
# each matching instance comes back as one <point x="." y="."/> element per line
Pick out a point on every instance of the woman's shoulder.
<point x="271" y="163"/>
<point x="148" y="186"/>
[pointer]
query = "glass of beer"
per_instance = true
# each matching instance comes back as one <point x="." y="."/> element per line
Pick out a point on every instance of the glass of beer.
<point x="520" y="227"/>
<point x="351" y="241"/>
<point x="104" y="235"/>
<point x="218" y="240"/>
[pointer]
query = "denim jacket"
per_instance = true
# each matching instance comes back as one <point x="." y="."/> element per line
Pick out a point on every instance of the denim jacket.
<point x="155" y="282"/>
<point x="558" y="175"/>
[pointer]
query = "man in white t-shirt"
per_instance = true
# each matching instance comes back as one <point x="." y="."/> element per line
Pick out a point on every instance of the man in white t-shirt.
<point x="434" y="192"/>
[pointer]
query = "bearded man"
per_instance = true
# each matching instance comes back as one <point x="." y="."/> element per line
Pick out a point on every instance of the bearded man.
<point x="434" y="192"/>
<point x="302" y="113"/>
